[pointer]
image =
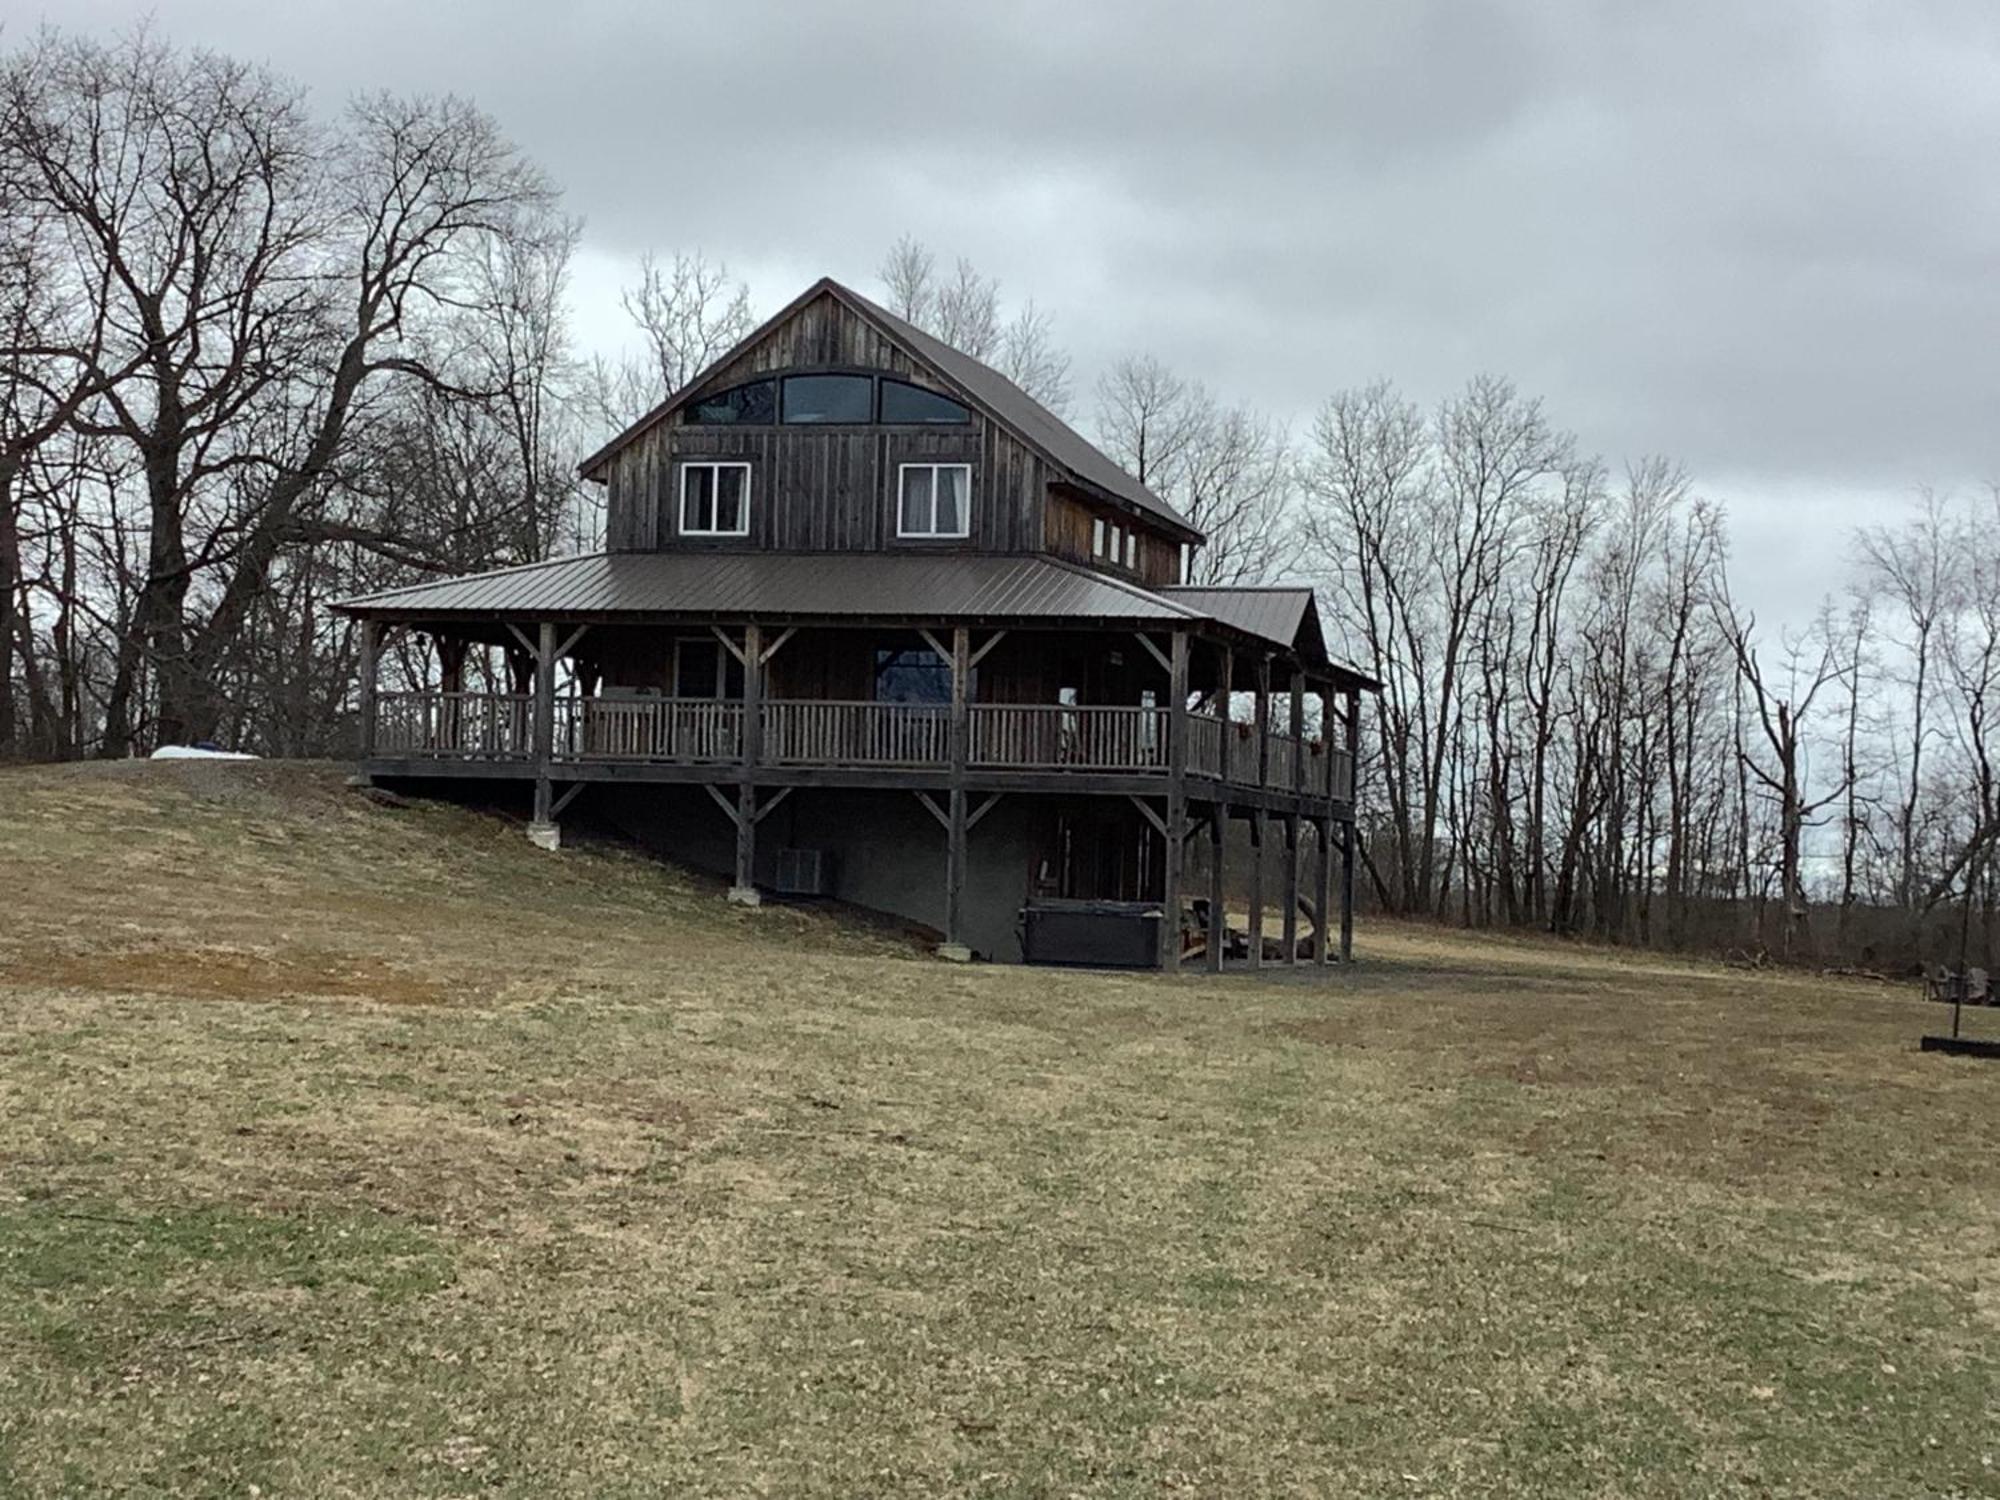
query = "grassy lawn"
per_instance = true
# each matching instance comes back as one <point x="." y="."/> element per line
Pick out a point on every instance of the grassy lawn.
<point x="356" y="1150"/>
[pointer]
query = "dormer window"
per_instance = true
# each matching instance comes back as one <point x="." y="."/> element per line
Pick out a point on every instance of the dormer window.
<point x="715" y="499"/>
<point x="913" y="405"/>
<point x="935" y="500"/>
<point x="848" y="399"/>
<point x="755" y="404"/>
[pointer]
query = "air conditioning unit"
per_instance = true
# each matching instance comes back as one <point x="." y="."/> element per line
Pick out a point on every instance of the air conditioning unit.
<point x="804" y="872"/>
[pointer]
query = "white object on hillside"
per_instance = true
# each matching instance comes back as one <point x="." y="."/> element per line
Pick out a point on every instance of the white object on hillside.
<point x="196" y="752"/>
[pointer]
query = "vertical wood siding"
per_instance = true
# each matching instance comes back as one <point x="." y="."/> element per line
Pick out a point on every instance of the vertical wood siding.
<point x="828" y="488"/>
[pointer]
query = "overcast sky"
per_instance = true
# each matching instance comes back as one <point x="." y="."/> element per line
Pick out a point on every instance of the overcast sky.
<point x="1761" y="237"/>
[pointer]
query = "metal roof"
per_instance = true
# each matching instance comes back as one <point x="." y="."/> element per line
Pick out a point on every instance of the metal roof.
<point x="1273" y="613"/>
<point x="1286" y="615"/>
<point x="778" y="585"/>
<point x="983" y="385"/>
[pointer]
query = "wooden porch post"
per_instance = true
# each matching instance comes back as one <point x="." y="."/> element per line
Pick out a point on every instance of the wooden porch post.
<point x="542" y="826"/>
<point x="1353" y="737"/>
<point x="955" y="827"/>
<point x="1291" y="888"/>
<point x="1223" y="693"/>
<point x="1263" y="720"/>
<point x="1256" y="887"/>
<point x="1322" y="885"/>
<point x="370" y="647"/>
<point x="744" y="891"/>
<point x="1175" y="833"/>
<point x="1295" y="778"/>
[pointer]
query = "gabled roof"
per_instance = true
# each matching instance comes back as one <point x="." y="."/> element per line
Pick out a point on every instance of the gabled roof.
<point x="1285" y="615"/>
<point x="983" y="386"/>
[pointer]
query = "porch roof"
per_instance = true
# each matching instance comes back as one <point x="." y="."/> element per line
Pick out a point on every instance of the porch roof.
<point x="642" y="587"/>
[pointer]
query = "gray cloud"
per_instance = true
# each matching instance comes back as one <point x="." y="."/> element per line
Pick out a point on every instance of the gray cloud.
<point x="1761" y="238"/>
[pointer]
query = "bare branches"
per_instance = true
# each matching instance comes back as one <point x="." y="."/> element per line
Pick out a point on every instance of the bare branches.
<point x="963" y="308"/>
<point x="690" y="312"/>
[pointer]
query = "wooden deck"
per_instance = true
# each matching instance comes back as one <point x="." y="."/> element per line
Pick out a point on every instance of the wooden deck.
<point x="1087" y="748"/>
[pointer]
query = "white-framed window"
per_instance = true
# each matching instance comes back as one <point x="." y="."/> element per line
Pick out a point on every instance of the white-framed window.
<point x="1132" y="550"/>
<point x="715" y="499"/>
<point x="1097" y="536"/>
<point x="934" y="500"/>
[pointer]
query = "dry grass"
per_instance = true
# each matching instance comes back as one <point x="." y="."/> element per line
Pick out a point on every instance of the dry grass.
<point x="349" y="1150"/>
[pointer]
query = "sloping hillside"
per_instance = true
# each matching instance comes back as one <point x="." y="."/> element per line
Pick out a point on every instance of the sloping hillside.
<point x="356" y="1150"/>
<point x="262" y="880"/>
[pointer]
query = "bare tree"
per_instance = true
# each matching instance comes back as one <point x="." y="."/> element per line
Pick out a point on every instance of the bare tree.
<point x="258" y="280"/>
<point x="1228" y="470"/>
<point x="963" y="308"/>
<point x="690" y="312"/>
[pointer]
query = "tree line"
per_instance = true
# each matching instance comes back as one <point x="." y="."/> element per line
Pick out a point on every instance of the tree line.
<point x="253" y="359"/>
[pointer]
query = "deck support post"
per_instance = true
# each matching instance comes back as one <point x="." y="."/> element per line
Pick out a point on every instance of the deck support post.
<point x="1256" y="887"/>
<point x="1322" y="883"/>
<point x="1217" y="930"/>
<point x="956" y="823"/>
<point x="542" y="828"/>
<point x="1353" y="738"/>
<point x="369" y="646"/>
<point x="744" y="891"/>
<point x="1292" y="889"/>
<point x="1175" y="836"/>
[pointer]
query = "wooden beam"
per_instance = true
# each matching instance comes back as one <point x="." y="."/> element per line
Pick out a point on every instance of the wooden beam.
<point x="1223" y="694"/>
<point x="1256" y="887"/>
<point x="938" y="647"/>
<point x="1165" y="661"/>
<point x="1263" y="719"/>
<point x="728" y="806"/>
<point x="545" y="720"/>
<point x="772" y="650"/>
<point x="569" y="643"/>
<point x="568" y="796"/>
<point x="1322" y="892"/>
<point x="972" y="818"/>
<point x="957" y="826"/>
<point x="1353" y="737"/>
<point x="1291" y="938"/>
<point x="1159" y="823"/>
<point x="752" y="657"/>
<point x="527" y="642"/>
<point x="1218" y="921"/>
<point x="1175" y="841"/>
<point x="943" y="817"/>
<point x="1295" y="776"/>
<point x="370" y="644"/>
<point x="727" y="644"/>
<point x="991" y="641"/>
<point x="770" y="805"/>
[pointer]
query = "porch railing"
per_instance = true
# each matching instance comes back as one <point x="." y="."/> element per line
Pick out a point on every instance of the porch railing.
<point x="809" y="732"/>
<point x="1055" y="736"/>
<point x="1116" y="739"/>
<point x="675" y="729"/>
<point x="457" y="726"/>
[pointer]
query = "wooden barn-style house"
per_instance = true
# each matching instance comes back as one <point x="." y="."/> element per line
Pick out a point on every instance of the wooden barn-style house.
<point x="873" y="623"/>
